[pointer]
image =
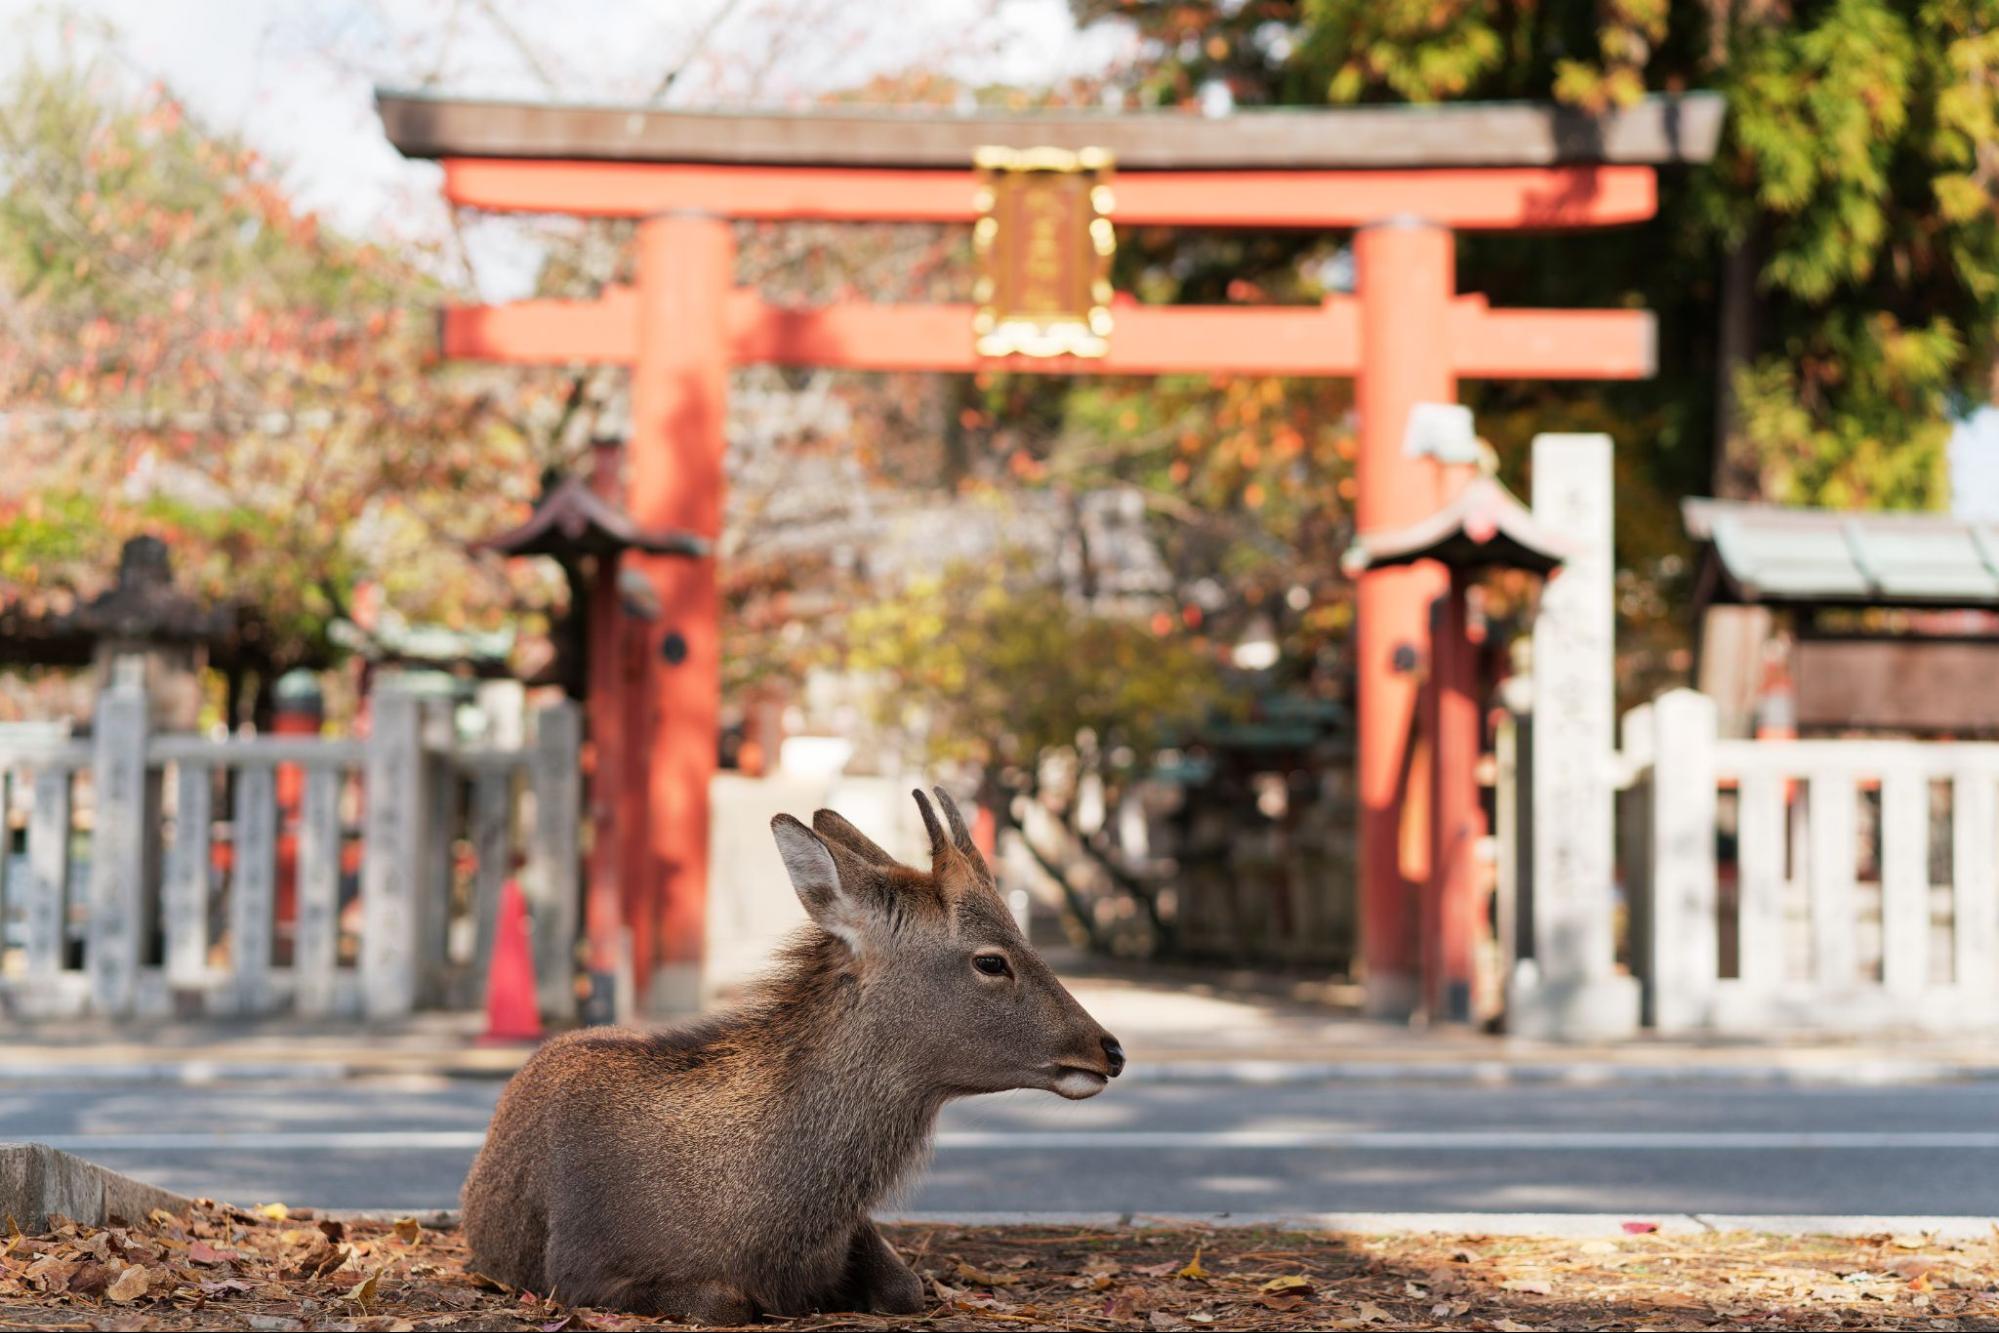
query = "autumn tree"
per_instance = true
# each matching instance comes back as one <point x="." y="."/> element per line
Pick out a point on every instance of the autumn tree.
<point x="183" y="352"/>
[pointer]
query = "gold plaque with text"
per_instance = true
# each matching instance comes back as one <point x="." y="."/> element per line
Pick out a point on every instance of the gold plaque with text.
<point x="1045" y="243"/>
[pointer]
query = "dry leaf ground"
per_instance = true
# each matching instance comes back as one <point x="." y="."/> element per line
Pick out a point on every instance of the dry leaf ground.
<point x="223" y="1268"/>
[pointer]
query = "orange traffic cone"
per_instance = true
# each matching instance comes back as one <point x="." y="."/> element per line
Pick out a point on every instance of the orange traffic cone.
<point x="1777" y="710"/>
<point x="511" y="1011"/>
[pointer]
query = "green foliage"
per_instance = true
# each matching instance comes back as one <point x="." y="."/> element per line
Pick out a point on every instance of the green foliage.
<point x="1852" y="166"/>
<point x="1417" y="50"/>
<point x="994" y="664"/>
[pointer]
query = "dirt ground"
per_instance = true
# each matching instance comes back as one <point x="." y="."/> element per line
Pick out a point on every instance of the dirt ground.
<point x="220" y="1267"/>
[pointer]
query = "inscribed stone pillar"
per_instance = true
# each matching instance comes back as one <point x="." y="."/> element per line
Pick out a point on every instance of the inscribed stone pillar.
<point x="1569" y="990"/>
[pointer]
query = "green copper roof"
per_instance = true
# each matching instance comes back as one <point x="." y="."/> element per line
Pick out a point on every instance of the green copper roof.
<point x="1769" y="553"/>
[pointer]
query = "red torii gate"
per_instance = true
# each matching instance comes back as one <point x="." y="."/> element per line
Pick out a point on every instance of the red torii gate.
<point x="1404" y="177"/>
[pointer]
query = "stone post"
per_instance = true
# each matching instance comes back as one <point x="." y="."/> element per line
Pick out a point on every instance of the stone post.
<point x="1569" y="989"/>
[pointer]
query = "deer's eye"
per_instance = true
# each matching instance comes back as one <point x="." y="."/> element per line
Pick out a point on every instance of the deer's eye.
<point x="992" y="964"/>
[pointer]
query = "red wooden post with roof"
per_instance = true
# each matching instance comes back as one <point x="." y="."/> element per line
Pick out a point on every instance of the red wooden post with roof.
<point x="1479" y="527"/>
<point x="1406" y="177"/>
<point x="578" y="524"/>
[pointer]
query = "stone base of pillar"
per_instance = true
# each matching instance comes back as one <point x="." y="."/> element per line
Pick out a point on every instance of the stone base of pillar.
<point x="675" y="990"/>
<point x="1391" y="995"/>
<point x="1571" y="1009"/>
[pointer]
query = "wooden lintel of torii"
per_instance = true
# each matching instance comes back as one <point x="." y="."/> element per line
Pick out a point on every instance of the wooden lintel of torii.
<point x="1303" y="341"/>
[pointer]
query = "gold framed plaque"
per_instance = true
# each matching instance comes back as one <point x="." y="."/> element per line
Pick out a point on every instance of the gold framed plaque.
<point x="1044" y="242"/>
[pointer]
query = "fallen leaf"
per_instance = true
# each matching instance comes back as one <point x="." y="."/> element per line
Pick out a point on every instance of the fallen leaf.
<point x="90" y="1279"/>
<point x="1370" y="1313"/>
<point x="50" y="1274"/>
<point x="990" y="1309"/>
<point x="1129" y="1302"/>
<point x="1640" y="1228"/>
<point x="1193" y="1272"/>
<point x="1290" y="1285"/>
<point x="1162" y="1322"/>
<point x="225" y="1287"/>
<point x="201" y="1252"/>
<point x="324" y="1259"/>
<point x="1531" y="1286"/>
<point x="1509" y="1326"/>
<point x="363" y="1293"/>
<point x="130" y="1285"/>
<point x="277" y="1212"/>
<point x="1287" y="1301"/>
<point x="332" y="1228"/>
<point x="409" y="1231"/>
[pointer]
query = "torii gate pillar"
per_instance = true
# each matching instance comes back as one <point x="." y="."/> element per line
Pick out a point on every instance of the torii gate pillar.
<point x="680" y="380"/>
<point x="1405" y="275"/>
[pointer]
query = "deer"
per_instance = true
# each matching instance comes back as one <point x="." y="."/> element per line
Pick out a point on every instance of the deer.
<point x="729" y="1168"/>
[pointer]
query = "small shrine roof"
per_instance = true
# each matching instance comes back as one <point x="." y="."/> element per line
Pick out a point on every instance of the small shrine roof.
<point x="1484" y="527"/>
<point x="571" y="519"/>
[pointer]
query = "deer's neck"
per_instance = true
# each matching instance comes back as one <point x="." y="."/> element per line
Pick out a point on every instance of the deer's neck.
<point x="847" y="1118"/>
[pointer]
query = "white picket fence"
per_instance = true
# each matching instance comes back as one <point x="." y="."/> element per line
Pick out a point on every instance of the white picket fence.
<point x="1858" y="894"/>
<point x="123" y="910"/>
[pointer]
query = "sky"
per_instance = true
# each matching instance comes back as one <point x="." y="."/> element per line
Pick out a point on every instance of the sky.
<point x="296" y="77"/>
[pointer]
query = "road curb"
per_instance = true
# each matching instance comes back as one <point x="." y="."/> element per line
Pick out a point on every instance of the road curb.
<point x="184" y="1073"/>
<point x="1576" y="1225"/>
<point x="1570" y="1073"/>
<point x="1241" y="1073"/>
<point x="38" y="1181"/>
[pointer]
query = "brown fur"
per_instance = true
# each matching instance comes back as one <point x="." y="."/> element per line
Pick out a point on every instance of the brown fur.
<point x="729" y="1167"/>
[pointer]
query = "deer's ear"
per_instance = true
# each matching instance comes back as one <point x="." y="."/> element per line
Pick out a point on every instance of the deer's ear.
<point x="815" y="877"/>
<point x="836" y="830"/>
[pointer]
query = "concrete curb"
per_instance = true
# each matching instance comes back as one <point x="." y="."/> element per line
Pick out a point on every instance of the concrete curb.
<point x="1576" y="1225"/>
<point x="183" y="1073"/>
<point x="37" y="1180"/>
<point x="1256" y="1072"/>
<point x="1566" y="1073"/>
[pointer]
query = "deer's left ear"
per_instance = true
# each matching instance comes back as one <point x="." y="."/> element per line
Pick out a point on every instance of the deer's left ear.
<point x="817" y="879"/>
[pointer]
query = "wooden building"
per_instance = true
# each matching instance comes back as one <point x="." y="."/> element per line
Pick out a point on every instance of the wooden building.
<point x="1826" y="622"/>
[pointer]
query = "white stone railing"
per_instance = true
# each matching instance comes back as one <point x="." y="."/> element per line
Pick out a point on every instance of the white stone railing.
<point x="1848" y="901"/>
<point x="137" y="900"/>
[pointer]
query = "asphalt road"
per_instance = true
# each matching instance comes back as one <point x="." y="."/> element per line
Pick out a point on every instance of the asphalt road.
<point x="1145" y="1147"/>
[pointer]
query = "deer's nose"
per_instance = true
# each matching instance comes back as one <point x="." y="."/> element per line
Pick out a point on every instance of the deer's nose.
<point x="1115" y="1054"/>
